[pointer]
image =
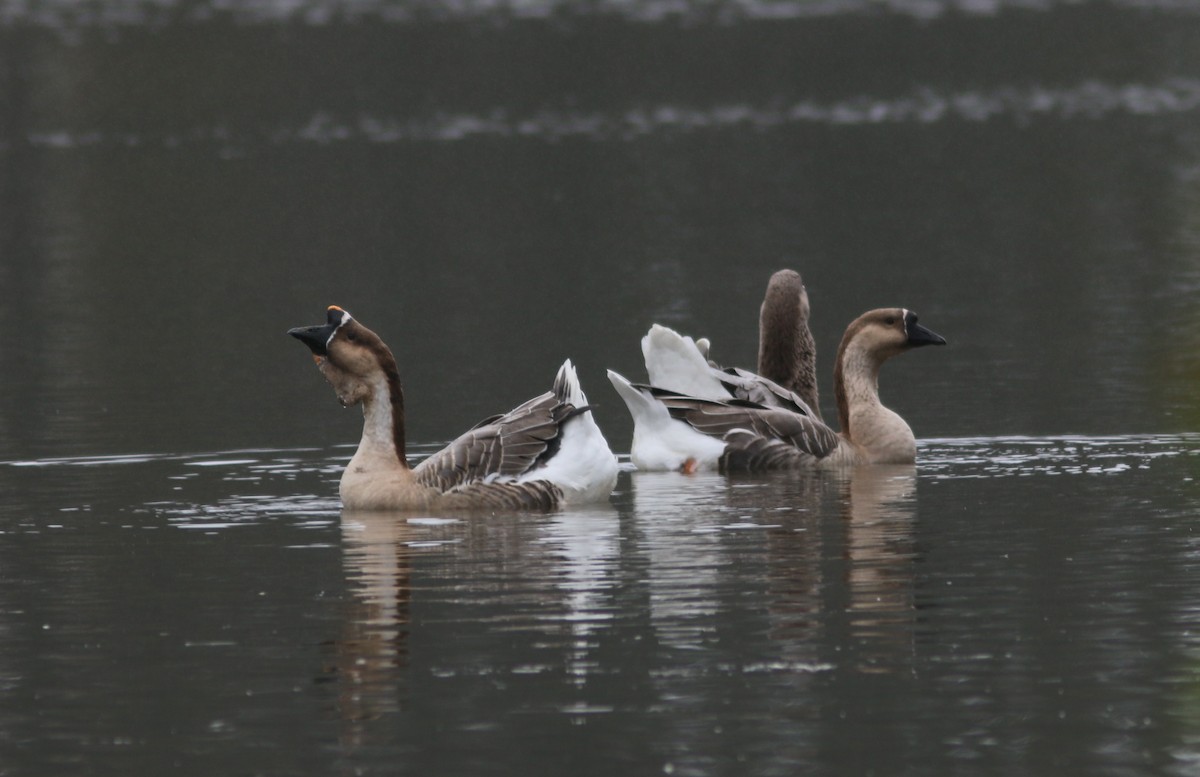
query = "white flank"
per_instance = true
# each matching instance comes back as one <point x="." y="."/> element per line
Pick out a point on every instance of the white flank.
<point x="584" y="466"/>
<point x="659" y="441"/>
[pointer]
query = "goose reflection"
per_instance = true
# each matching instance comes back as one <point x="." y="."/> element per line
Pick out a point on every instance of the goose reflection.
<point x="585" y="546"/>
<point x="373" y="646"/>
<point x="831" y="554"/>
<point x="492" y="591"/>
<point x="879" y="507"/>
<point x="678" y="518"/>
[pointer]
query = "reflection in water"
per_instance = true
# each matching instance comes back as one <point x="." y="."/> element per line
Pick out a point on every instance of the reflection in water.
<point x="585" y="543"/>
<point x="317" y="13"/>
<point x="549" y="577"/>
<point x="880" y="516"/>
<point x="372" y="650"/>
<point x="752" y="625"/>
<point x="829" y="547"/>
<point x="684" y="550"/>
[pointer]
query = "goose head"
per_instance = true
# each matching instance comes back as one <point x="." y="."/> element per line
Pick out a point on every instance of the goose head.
<point x="351" y="357"/>
<point x="881" y="334"/>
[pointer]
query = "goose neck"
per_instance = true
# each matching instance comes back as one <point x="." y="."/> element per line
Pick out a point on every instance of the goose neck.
<point x="856" y="384"/>
<point x="383" y="421"/>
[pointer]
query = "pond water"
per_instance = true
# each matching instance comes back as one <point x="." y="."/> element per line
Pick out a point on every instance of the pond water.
<point x="1017" y="605"/>
<point x="494" y="187"/>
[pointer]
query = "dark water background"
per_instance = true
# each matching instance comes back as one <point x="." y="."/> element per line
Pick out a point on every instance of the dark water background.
<point x="494" y="187"/>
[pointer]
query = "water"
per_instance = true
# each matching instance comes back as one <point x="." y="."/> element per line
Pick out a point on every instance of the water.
<point x="496" y="187"/>
<point x="979" y="613"/>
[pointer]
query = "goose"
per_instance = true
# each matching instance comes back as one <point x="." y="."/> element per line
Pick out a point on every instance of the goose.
<point x="542" y="455"/>
<point x="787" y="353"/>
<point x="736" y="420"/>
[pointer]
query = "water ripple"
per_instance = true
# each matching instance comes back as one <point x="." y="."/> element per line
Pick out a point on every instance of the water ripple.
<point x="56" y="14"/>
<point x="990" y="457"/>
<point x="1089" y="100"/>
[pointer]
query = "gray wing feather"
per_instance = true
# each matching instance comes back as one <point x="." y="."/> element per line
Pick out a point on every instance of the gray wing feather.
<point x="500" y="446"/>
<point x="739" y="422"/>
<point x="746" y="451"/>
<point x="746" y="385"/>
<point x="530" y="495"/>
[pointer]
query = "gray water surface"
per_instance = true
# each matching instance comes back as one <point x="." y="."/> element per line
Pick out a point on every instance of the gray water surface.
<point x="496" y="187"/>
<point x="1025" y="605"/>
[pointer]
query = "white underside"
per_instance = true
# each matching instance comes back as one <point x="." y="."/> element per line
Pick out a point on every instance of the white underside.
<point x="584" y="466"/>
<point x="659" y="441"/>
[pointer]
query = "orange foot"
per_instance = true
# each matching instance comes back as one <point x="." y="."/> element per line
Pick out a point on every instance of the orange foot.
<point x="689" y="466"/>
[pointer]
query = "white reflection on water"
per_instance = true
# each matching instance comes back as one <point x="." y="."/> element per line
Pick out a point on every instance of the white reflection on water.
<point x="674" y="512"/>
<point x="992" y="457"/>
<point x="586" y="543"/>
<point x="67" y="15"/>
<point x="1089" y="100"/>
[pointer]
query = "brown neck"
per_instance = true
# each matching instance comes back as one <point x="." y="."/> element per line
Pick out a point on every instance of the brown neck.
<point x="839" y="389"/>
<point x="396" y="401"/>
<point x="776" y="353"/>
<point x="787" y="353"/>
<point x="850" y="368"/>
<point x="855" y="378"/>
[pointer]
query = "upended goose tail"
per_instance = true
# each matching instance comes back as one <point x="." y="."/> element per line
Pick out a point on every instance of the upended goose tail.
<point x="659" y="441"/>
<point x="676" y="363"/>
<point x="583" y="465"/>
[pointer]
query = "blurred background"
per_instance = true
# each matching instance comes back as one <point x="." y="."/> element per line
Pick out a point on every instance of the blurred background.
<point x="496" y="186"/>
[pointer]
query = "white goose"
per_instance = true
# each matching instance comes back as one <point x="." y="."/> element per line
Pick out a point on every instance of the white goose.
<point x="708" y="418"/>
<point x="544" y="454"/>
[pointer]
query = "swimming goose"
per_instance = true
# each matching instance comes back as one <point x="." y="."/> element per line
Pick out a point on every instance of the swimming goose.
<point x="787" y="354"/>
<point x="735" y="420"/>
<point x="543" y="454"/>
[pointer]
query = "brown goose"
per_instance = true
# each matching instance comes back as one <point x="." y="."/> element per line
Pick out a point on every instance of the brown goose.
<point x="787" y="353"/>
<point x="734" y="420"/>
<point x="543" y="454"/>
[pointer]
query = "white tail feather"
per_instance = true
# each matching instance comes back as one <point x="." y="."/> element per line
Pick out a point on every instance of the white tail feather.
<point x="674" y="362"/>
<point x="567" y="386"/>
<point x="584" y="466"/>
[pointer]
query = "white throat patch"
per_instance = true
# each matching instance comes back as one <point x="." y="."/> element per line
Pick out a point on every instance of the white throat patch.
<point x="345" y="317"/>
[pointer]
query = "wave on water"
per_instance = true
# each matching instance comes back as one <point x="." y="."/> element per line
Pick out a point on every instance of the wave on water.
<point x="1086" y="101"/>
<point x="255" y="485"/>
<point x="1015" y="456"/>
<point x="129" y="13"/>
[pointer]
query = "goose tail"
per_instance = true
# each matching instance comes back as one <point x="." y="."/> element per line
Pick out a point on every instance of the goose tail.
<point x="584" y="467"/>
<point x="643" y="407"/>
<point x="659" y="441"/>
<point x="677" y="363"/>
<point x="567" y="387"/>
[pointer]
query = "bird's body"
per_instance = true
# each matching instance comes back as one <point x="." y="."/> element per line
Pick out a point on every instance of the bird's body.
<point x="693" y="415"/>
<point x="543" y="454"/>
